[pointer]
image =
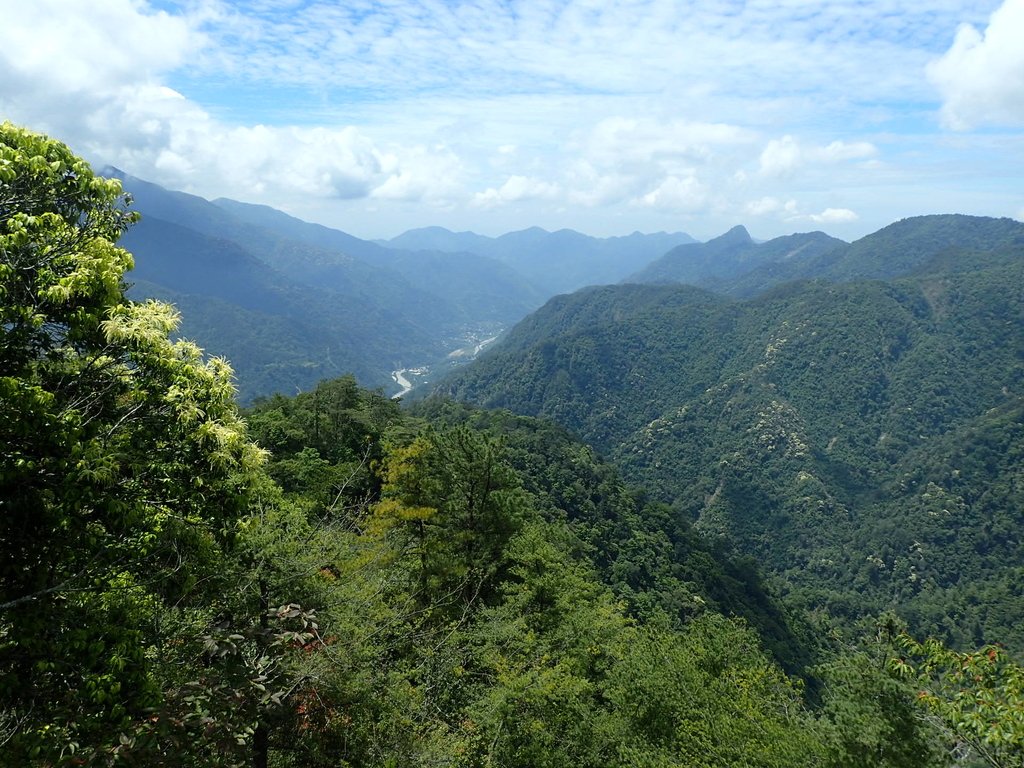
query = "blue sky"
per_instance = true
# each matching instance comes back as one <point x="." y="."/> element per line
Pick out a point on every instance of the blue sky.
<point x="605" y="117"/>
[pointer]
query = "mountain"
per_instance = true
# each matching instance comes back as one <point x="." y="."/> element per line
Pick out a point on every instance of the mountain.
<point x="735" y="265"/>
<point x="440" y="239"/>
<point x="861" y="439"/>
<point x="290" y="303"/>
<point x="717" y="262"/>
<point x="279" y="334"/>
<point x="556" y="262"/>
<point x="476" y="286"/>
<point x="898" y="249"/>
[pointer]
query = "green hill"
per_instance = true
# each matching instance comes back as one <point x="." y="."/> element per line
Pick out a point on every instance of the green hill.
<point x="795" y="424"/>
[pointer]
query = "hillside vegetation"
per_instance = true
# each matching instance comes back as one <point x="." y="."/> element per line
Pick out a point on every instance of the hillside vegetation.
<point x="860" y="439"/>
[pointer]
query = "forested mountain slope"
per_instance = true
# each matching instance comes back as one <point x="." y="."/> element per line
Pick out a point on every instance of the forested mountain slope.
<point x="822" y="427"/>
<point x="734" y="264"/>
<point x="289" y="303"/>
<point x="481" y="288"/>
<point x="280" y="334"/>
<point x="901" y="248"/>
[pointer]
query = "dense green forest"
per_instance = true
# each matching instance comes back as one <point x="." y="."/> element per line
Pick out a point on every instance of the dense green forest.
<point x="861" y="440"/>
<point x="327" y="580"/>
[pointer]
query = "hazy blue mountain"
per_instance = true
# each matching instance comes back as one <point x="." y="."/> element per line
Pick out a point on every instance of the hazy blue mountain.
<point x="863" y="439"/>
<point x="477" y="287"/>
<point x="717" y="262"/>
<point x="285" y="225"/>
<point x="317" y="267"/>
<point x="440" y="239"/>
<point x="556" y="262"/>
<point x="279" y="334"/>
<point x="289" y="304"/>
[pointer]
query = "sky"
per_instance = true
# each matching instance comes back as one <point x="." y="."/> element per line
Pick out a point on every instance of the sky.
<point x="497" y="115"/>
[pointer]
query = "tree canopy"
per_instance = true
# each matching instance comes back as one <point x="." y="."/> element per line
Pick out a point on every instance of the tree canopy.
<point x="125" y="464"/>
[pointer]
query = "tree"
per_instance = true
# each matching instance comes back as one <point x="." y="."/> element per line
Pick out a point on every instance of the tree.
<point x="124" y="464"/>
<point x="452" y="494"/>
<point x="976" y="698"/>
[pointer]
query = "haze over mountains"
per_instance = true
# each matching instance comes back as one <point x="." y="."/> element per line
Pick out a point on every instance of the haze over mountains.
<point x="556" y="262"/>
<point x="291" y="303"/>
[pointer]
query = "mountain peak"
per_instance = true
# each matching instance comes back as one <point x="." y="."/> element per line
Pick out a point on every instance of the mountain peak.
<point x="738" y="235"/>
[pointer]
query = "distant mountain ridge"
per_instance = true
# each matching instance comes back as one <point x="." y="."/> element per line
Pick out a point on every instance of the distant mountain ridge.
<point x="477" y="288"/>
<point x="735" y="265"/>
<point x="897" y="249"/>
<point x="718" y="262"/>
<point x="556" y="262"/>
<point x="289" y="302"/>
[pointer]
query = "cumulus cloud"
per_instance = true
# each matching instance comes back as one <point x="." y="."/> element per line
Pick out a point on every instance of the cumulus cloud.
<point x="981" y="77"/>
<point x="516" y="189"/>
<point x="433" y="174"/>
<point x="790" y="210"/>
<point x="402" y="101"/>
<point x="783" y="157"/>
<point x="593" y="187"/>
<point x="94" y="80"/>
<point x="104" y="44"/>
<point x="683" y="195"/>
<point x="769" y="205"/>
<point x="834" y="216"/>
<point x="648" y="163"/>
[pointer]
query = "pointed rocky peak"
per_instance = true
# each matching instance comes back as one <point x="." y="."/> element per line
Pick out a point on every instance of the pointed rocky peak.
<point x="738" y="235"/>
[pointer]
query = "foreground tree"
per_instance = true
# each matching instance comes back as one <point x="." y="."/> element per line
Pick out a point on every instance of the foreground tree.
<point x="124" y="465"/>
<point x="976" y="698"/>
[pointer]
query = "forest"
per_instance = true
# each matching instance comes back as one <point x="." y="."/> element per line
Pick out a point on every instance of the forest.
<point x="334" y="579"/>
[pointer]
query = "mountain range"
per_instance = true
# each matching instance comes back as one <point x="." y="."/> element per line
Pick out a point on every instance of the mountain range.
<point x="850" y="414"/>
<point x="556" y="262"/>
<point x="290" y="303"/>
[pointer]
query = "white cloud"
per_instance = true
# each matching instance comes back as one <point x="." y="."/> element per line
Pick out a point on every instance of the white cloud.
<point x="431" y="174"/>
<point x="592" y="187"/>
<point x="834" y="216"/>
<point x="654" y="164"/>
<point x="981" y="77"/>
<point x="768" y="205"/>
<point x="93" y="80"/>
<point x="682" y="195"/>
<point x="671" y="144"/>
<point x="516" y="189"/>
<point x="555" y="110"/>
<point x="89" y="47"/>
<point x="783" y="157"/>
